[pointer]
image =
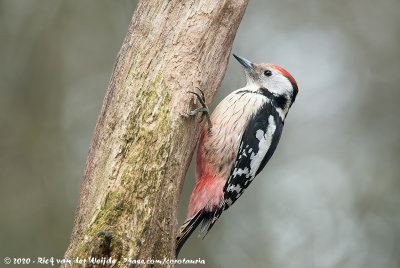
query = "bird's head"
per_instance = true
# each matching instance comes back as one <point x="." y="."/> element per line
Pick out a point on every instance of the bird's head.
<point x="270" y="77"/>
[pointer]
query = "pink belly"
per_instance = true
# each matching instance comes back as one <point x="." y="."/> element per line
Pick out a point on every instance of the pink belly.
<point x="207" y="194"/>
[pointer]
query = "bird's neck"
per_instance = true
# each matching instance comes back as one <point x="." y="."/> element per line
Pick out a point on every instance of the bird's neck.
<point x="281" y="102"/>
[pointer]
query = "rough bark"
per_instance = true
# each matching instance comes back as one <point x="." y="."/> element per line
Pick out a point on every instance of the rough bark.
<point x="141" y="147"/>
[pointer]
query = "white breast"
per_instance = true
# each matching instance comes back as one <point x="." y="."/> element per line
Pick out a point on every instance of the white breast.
<point x="229" y="120"/>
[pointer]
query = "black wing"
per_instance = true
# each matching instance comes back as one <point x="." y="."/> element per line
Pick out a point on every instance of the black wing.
<point x="258" y="143"/>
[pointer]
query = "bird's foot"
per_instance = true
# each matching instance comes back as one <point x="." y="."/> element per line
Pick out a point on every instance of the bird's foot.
<point x="204" y="109"/>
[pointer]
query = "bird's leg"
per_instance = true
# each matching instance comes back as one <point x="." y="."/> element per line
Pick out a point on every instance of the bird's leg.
<point x="204" y="109"/>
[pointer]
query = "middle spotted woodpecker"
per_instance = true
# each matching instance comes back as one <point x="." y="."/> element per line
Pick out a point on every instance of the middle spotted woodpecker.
<point x="241" y="136"/>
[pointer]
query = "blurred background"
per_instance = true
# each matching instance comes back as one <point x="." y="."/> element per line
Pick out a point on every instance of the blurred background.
<point x="330" y="196"/>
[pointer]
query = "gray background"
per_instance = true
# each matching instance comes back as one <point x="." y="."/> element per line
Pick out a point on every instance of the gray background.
<point x="329" y="197"/>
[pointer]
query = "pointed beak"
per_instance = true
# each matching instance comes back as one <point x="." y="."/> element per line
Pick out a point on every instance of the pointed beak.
<point x="246" y="63"/>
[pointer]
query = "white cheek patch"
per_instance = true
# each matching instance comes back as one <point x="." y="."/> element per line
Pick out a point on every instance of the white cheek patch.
<point x="278" y="84"/>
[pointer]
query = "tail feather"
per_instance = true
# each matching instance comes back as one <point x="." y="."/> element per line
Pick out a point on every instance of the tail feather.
<point x="187" y="229"/>
<point x="209" y="219"/>
<point x="204" y="227"/>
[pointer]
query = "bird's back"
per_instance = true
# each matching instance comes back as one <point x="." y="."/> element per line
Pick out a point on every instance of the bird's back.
<point x="218" y="149"/>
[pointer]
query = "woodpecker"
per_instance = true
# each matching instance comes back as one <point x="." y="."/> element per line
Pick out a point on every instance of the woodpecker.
<point x="241" y="135"/>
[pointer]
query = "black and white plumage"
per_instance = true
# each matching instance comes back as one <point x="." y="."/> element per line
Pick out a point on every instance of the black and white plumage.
<point x="258" y="143"/>
<point x="245" y="130"/>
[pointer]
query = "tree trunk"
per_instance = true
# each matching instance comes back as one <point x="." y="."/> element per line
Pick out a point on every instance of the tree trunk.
<point x="141" y="147"/>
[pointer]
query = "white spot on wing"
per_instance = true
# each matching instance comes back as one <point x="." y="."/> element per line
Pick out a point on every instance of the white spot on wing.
<point x="281" y="113"/>
<point x="234" y="188"/>
<point x="260" y="134"/>
<point x="264" y="144"/>
<point x="239" y="171"/>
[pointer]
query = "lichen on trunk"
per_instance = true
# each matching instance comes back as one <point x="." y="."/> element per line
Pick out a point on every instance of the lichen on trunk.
<point x="141" y="147"/>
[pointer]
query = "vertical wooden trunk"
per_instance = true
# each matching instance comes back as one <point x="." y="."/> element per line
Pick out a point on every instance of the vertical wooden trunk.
<point x="141" y="147"/>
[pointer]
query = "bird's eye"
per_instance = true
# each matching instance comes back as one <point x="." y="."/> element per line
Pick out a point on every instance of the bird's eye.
<point x="267" y="73"/>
